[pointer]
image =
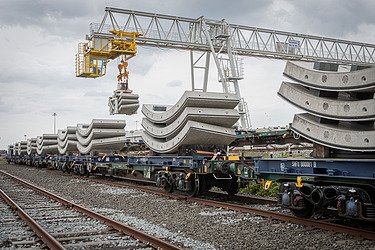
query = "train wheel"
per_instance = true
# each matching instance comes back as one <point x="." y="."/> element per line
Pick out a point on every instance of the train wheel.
<point x="233" y="186"/>
<point x="305" y="209"/>
<point x="195" y="187"/>
<point x="168" y="188"/>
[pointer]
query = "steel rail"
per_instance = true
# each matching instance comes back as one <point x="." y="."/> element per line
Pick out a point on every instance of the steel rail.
<point x="47" y="238"/>
<point x="146" y="183"/>
<point x="246" y="199"/>
<point x="269" y="214"/>
<point x="146" y="238"/>
<point x="288" y="218"/>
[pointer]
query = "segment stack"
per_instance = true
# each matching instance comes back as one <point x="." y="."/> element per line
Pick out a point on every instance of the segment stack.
<point x="340" y="106"/>
<point x="67" y="140"/>
<point x="198" y="118"/>
<point x="47" y="144"/>
<point x="21" y="148"/>
<point x="123" y="102"/>
<point x="101" y="134"/>
<point x="31" y="146"/>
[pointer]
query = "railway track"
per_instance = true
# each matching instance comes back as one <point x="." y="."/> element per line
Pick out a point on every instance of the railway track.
<point x="61" y="224"/>
<point x="311" y="223"/>
<point x="20" y="234"/>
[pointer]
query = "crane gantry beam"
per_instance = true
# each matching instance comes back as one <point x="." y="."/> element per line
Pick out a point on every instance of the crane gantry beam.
<point x="188" y="33"/>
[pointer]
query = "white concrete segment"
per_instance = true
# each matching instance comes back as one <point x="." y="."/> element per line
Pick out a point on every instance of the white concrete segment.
<point x="348" y="110"/>
<point x="198" y="118"/>
<point x="22" y="148"/>
<point x="31" y="146"/>
<point x="85" y="129"/>
<point x="167" y="113"/>
<point x="67" y="140"/>
<point x="10" y="149"/>
<point x="360" y="80"/>
<point x="47" y="144"/>
<point x="348" y="136"/>
<point x="101" y="135"/>
<point x="107" y="144"/>
<point x="220" y="117"/>
<point x="193" y="133"/>
<point x="123" y="102"/>
<point x="69" y="147"/>
<point x="15" y="148"/>
<point x="62" y="134"/>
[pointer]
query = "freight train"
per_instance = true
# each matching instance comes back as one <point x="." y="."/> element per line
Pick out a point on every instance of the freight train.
<point x="343" y="186"/>
<point x="191" y="174"/>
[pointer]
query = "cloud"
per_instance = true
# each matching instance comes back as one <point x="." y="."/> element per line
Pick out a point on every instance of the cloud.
<point x="174" y="83"/>
<point x="97" y="93"/>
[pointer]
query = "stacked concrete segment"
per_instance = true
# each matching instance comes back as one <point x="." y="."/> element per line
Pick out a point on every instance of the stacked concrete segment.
<point x="101" y="135"/>
<point x="352" y="137"/>
<point x="169" y="113"/>
<point x="198" y="118"/>
<point x="22" y="148"/>
<point x="360" y="80"/>
<point x="10" y="149"/>
<point x="15" y="148"/>
<point x="47" y="144"/>
<point x="31" y="146"/>
<point x="123" y="102"/>
<point x="349" y="109"/>
<point x="203" y="115"/>
<point x="340" y="106"/>
<point x="67" y="140"/>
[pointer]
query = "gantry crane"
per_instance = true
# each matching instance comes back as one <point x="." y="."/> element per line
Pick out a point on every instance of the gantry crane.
<point x="227" y="43"/>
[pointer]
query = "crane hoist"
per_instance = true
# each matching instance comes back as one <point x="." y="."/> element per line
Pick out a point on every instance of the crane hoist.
<point x="92" y="59"/>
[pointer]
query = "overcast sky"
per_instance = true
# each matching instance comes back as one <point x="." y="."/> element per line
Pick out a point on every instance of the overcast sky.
<point x="38" y="41"/>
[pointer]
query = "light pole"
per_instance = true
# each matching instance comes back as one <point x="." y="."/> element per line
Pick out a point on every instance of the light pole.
<point x="54" y="122"/>
<point x="25" y="137"/>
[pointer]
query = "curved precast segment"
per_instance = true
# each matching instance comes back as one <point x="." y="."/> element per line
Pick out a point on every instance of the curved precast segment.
<point x="219" y="117"/>
<point x="70" y="147"/>
<point x="123" y="103"/>
<point x="10" y="149"/>
<point x="353" y="138"/>
<point x="47" y="144"/>
<point x="31" y="146"/>
<point x="193" y="133"/>
<point x="107" y="144"/>
<point x="359" y="80"/>
<point x="100" y="134"/>
<point x="62" y="134"/>
<point x="51" y="149"/>
<point x="70" y="137"/>
<point x="85" y="130"/>
<point x="22" y="148"/>
<point x="167" y="114"/>
<point x="127" y="109"/>
<point x="46" y="139"/>
<point x="15" y="148"/>
<point x="348" y="110"/>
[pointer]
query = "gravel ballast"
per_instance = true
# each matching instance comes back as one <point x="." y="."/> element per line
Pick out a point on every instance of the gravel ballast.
<point x="186" y="224"/>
